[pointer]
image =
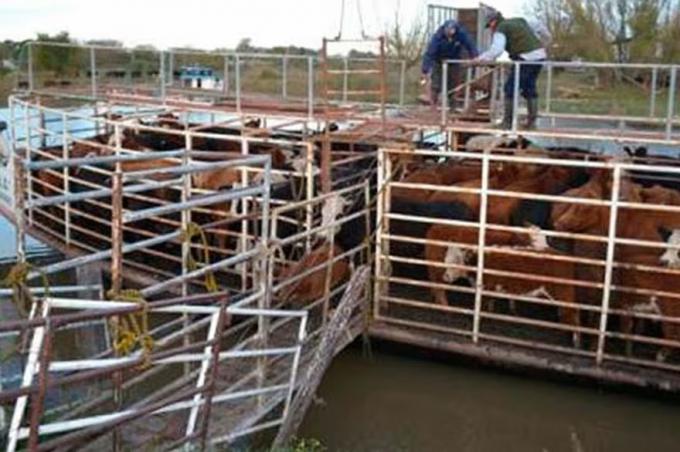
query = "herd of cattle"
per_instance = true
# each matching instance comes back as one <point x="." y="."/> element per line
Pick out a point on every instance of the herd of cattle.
<point x="546" y="267"/>
<point x="91" y="218"/>
<point x="450" y="250"/>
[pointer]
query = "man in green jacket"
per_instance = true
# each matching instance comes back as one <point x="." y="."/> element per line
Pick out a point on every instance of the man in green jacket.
<point x="520" y="41"/>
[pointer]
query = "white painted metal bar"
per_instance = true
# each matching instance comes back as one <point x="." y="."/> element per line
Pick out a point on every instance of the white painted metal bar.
<point x="202" y="374"/>
<point x="608" y="273"/>
<point x="284" y="77"/>
<point x="67" y="182"/>
<point x="468" y="90"/>
<point x="30" y="367"/>
<point x="93" y="73"/>
<point x="237" y="74"/>
<point x="302" y="333"/>
<point x="671" y="102"/>
<point x="481" y="241"/>
<point x="548" y="88"/>
<point x="161" y="75"/>
<point x="515" y="97"/>
<point x="310" y="88"/>
<point x="652" y="95"/>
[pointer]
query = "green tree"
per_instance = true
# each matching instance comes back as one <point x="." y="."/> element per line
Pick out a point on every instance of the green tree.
<point x="406" y="43"/>
<point x="55" y="58"/>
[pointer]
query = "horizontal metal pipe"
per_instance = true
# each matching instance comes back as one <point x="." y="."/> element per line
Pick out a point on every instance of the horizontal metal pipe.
<point x="96" y="194"/>
<point x="198" y="201"/>
<point x="196" y="167"/>
<point x="76" y="162"/>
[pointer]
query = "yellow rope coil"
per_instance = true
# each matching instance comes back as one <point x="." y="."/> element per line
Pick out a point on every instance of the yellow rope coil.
<point x="194" y="230"/>
<point x="133" y="328"/>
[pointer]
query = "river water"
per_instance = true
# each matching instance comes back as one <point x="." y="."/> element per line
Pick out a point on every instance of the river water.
<point x="405" y="402"/>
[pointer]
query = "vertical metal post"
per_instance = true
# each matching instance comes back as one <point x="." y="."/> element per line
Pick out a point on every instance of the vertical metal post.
<point x="225" y="76"/>
<point x="261" y="262"/>
<point x="27" y="380"/>
<point x="445" y="92"/>
<point x="31" y="81"/>
<point x="402" y="84"/>
<point x="202" y="374"/>
<point x="309" y="189"/>
<point x="494" y="94"/>
<point x="383" y="81"/>
<point x="284" y="77"/>
<point x="245" y="150"/>
<point x="161" y="74"/>
<point x="608" y="269"/>
<point x="468" y="88"/>
<point x="345" y="78"/>
<point x="93" y="72"/>
<point x="186" y="244"/>
<point x="310" y="88"/>
<point x="29" y="150"/>
<point x="42" y="124"/>
<point x="515" y="97"/>
<point x="170" y="80"/>
<point x="237" y="71"/>
<point x="652" y="97"/>
<point x="67" y="184"/>
<point x="117" y="265"/>
<point x="19" y="206"/>
<point x="380" y="213"/>
<point x="548" y="88"/>
<point x="671" y="102"/>
<point x="481" y="241"/>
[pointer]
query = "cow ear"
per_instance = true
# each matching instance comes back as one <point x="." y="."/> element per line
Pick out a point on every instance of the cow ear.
<point x="628" y="151"/>
<point x="664" y="233"/>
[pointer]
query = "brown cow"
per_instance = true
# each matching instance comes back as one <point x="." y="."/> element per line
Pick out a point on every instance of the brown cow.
<point x="448" y="173"/>
<point x="459" y="255"/>
<point x="312" y="287"/>
<point x="516" y="285"/>
<point x="662" y="305"/>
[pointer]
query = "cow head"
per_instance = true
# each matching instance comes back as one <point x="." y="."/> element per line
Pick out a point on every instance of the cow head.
<point x="671" y="258"/>
<point x="577" y="217"/>
<point x="457" y="256"/>
<point x="331" y="210"/>
<point x="539" y="240"/>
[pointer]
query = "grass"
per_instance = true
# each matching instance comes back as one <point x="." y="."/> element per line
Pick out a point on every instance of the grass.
<point x="580" y="92"/>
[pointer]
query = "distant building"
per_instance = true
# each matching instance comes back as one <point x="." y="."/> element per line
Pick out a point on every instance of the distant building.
<point x="201" y="77"/>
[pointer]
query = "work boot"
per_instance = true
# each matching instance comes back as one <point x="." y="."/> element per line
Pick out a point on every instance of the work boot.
<point x="532" y="113"/>
<point x="507" y="115"/>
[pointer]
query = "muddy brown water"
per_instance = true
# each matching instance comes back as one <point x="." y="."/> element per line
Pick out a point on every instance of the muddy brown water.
<point x="406" y="402"/>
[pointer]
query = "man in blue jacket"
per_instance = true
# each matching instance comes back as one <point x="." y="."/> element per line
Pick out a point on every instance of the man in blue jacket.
<point x="446" y="44"/>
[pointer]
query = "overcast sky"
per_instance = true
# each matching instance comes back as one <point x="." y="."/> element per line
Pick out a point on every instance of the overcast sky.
<point x="209" y="24"/>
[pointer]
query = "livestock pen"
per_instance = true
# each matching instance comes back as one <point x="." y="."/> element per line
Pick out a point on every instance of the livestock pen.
<point x="242" y="214"/>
